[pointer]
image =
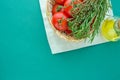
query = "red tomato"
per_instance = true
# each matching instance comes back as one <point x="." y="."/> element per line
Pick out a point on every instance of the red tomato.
<point x="60" y="1"/>
<point x="68" y="6"/>
<point x="67" y="2"/>
<point x="67" y="11"/>
<point x="68" y="32"/>
<point x="57" y="8"/>
<point x="59" y="20"/>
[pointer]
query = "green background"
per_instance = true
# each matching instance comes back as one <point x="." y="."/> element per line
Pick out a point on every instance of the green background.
<point x="25" y="53"/>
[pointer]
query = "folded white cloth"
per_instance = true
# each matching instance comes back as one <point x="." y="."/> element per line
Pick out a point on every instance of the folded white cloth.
<point x="58" y="44"/>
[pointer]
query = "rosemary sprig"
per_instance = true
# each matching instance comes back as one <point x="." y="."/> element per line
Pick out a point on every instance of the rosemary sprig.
<point x="82" y="24"/>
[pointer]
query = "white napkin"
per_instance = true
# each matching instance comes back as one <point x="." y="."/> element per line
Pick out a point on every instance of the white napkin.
<point x="59" y="45"/>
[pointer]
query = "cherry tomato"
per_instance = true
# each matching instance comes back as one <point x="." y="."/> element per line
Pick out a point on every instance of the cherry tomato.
<point x="67" y="10"/>
<point x="57" y="8"/>
<point x="59" y="20"/>
<point x="68" y="2"/>
<point x="68" y="6"/>
<point x="60" y="1"/>
<point x="68" y="32"/>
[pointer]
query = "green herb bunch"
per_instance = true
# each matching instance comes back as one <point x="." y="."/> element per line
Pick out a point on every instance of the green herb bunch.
<point x="87" y="17"/>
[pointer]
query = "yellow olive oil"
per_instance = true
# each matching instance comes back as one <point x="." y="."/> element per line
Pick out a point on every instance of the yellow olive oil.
<point x="108" y="30"/>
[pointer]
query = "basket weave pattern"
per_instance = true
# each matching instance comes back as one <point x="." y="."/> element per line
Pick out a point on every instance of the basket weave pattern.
<point x="50" y="4"/>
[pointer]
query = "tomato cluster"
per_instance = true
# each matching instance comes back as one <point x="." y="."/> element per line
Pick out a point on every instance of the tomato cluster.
<point x="61" y="11"/>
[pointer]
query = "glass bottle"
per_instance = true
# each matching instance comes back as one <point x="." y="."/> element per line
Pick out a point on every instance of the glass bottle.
<point x="111" y="28"/>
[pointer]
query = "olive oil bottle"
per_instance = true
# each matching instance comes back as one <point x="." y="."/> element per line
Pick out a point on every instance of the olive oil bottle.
<point x="111" y="29"/>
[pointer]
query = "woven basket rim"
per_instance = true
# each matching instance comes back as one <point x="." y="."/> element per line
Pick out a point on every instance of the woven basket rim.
<point x="60" y="34"/>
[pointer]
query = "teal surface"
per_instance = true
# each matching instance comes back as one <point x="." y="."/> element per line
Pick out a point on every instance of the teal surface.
<point x="25" y="53"/>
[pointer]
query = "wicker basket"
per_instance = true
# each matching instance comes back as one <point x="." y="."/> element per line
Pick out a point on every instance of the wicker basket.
<point x="50" y="3"/>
